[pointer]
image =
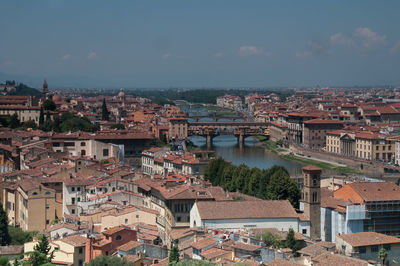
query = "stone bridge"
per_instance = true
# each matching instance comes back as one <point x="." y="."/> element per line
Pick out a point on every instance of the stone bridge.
<point x="241" y="130"/>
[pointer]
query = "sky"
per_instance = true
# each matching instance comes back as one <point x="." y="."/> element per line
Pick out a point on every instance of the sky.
<point x="207" y="43"/>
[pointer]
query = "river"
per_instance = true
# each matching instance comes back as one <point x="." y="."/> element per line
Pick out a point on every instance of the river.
<point x="250" y="154"/>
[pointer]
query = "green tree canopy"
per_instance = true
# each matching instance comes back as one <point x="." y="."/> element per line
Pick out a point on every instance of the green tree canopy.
<point x="173" y="255"/>
<point x="105" y="114"/>
<point x="4" y="235"/>
<point x="49" y="105"/>
<point x="118" y="126"/>
<point x="29" y="124"/>
<point x="109" y="261"/>
<point x="14" y="121"/>
<point x="282" y="187"/>
<point x="20" y="237"/>
<point x="291" y="241"/>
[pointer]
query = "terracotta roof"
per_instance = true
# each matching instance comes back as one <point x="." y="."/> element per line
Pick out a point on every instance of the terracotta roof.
<point x="282" y="262"/>
<point x="322" y="121"/>
<point x="201" y="244"/>
<point x="113" y="230"/>
<point x="215" y="210"/>
<point x="247" y="247"/>
<point x="75" y="240"/>
<point x="375" y="191"/>
<point x="214" y="253"/>
<point x="317" y="248"/>
<point x="130" y="245"/>
<point x="368" y="239"/>
<point x="328" y="259"/>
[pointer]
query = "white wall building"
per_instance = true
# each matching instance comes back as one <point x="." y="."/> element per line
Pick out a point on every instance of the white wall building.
<point x="239" y="215"/>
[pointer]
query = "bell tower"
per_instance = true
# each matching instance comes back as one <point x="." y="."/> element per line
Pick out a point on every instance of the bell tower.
<point x="45" y="90"/>
<point x="311" y="198"/>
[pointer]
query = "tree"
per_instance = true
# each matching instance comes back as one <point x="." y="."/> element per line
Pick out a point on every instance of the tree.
<point x="118" y="126"/>
<point x="105" y="114"/>
<point x="41" y="254"/>
<point x="282" y="187"/>
<point x="49" y="105"/>
<point x="4" y="235"/>
<point x="29" y="124"/>
<point x="270" y="239"/>
<point x="14" y="121"/>
<point x="43" y="246"/>
<point x="291" y="241"/>
<point x="20" y="237"/>
<point x="109" y="261"/>
<point x="41" y="116"/>
<point x="382" y="255"/>
<point x="173" y="255"/>
<point x="4" y="261"/>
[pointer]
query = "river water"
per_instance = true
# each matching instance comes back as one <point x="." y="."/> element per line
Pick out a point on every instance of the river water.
<point x="250" y="154"/>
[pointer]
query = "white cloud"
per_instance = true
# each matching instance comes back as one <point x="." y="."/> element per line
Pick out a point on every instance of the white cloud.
<point x="339" y="38"/>
<point x="166" y="56"/>
<point x="303" y="55"/>
<point x="396" y="48"/>
<point x="92" y="55"/>
<point x="66" y="57"/>
<point x="369" y="38"/>
<point x="218" y="55"/>
<point x="250" y="50"/>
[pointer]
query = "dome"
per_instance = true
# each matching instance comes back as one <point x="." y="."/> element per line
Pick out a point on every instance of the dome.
<point x="121" y="94"/>
<point x="56" y="98"/>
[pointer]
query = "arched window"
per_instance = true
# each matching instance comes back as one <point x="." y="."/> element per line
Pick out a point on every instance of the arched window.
<point x="34" y="193"/>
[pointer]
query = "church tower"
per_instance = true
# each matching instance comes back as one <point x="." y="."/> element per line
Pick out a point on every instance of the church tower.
<point x="311" y="198"/>
<point x="45" y="91"/>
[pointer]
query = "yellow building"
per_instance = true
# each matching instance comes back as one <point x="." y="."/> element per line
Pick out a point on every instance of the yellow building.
<point x="130" y="215"/>
<point x="67" y="251"/>
<point x="37" y="206"/>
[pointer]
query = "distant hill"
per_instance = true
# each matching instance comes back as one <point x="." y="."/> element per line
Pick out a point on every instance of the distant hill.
<point x="25" y="90"/>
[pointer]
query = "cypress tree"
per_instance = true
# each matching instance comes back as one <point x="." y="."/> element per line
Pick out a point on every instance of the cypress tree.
<point x="104" y="111"/>
<point x="41" y="116"/>
<point x="173" y="255"/>
<point x="5" y="238"/>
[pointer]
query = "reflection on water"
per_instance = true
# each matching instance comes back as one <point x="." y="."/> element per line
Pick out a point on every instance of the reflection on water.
<point x="250" y="155"/>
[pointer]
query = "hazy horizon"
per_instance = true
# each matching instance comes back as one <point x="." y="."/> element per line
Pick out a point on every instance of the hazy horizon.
<point x="207" y="44"/>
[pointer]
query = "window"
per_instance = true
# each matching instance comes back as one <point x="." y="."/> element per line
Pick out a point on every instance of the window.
<point x="78" y="188"/>
<point x="80" y="262"/>
<point x="73" y="211"/>
<point x="118" y="237"/>
<point x="178" y="218"/>
<point x="314" y="195"/>
<point x="362" y="250"/>
<point x="387" y="247"/>
<point x="304" y="231"/>
<point x="126" y="221"/>
<point x="47" y="206"/>
<point x="83" y="143"/>
<point x="137" y="215"/>
<point x="47" y="193"/>
<point x="83" y="152"/>
<point x="47" y="221"/>
<point x="79" y="199"/>
<point x="374" y="248"/>
<point x="34" y="193"/>
<point x="56" y="248"/>
<point x="105" y="152"/>
<point x="80" y="250"/>
<point x="73" y="200"/>
<point x="72" y="189"/>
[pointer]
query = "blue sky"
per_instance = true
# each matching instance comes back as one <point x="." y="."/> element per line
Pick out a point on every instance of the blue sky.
<point x="96" y="43"/>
